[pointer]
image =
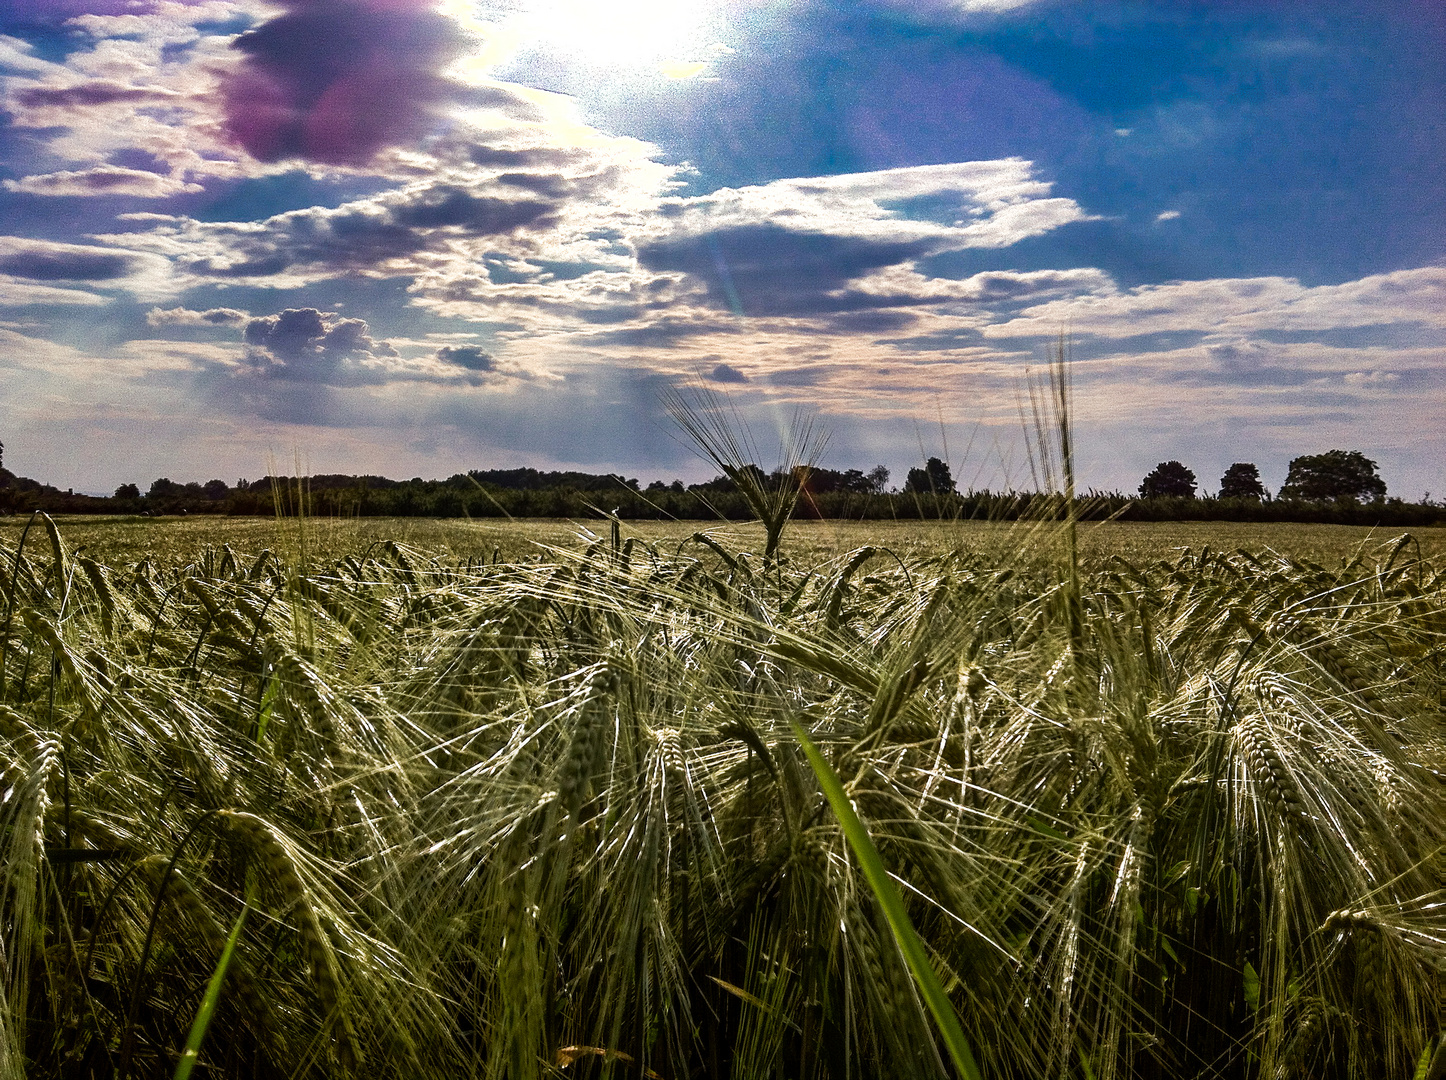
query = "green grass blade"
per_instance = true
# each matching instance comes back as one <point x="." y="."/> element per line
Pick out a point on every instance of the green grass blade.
<point x="268" y="703"/>
<point x="210" y="1000"/>
<point x="892" y="903"/>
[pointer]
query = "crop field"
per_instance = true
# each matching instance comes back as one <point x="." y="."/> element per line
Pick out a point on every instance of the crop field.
<point x="414" y="799"/>
<point x="176" y="540"/>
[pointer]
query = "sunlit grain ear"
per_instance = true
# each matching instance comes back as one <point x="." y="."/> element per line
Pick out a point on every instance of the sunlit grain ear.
<point x="715" y="429"/>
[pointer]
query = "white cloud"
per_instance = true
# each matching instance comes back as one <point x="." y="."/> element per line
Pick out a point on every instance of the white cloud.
<point x="169" y="21"/>
<point x="1242" y="305"/>
<point x="1371" y="378"/>
<point x="103" y="180"/>
<point x="1284" y="48"/>
<point x="991" y="7"/>
<point x="517" y="184"/>
<point x="15" y="293"/>
<point x="981" y="204"/>
<point x="965" y="8"/>
<point x="18" y="55"/>
<point x="1167" y="215"/>
<point x="992" y="287"/>
<point x="123" y="95"/>
<point x="182" y="316"/>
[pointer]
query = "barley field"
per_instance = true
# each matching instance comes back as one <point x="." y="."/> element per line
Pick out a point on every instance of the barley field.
<point x="450" y="799"/>
<point x="180" y="540"/>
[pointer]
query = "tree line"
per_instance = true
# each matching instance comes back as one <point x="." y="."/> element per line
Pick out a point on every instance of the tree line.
<point x="1333" y="477"/>
<point x="1338" y="486"/>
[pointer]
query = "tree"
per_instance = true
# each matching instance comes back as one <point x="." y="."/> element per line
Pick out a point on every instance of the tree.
<point x="878" y="477"/>
<point x="1335" y="475"/>
<point x="820" y="481"/>
<point x="933" y="477"/>
<point x="127" y="491"/>
<point x="1242" y="481"/>
<point x="1169" y="479"/>
<point x="216" y="490"/>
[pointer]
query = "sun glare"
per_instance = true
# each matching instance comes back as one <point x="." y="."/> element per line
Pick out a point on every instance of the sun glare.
<point x="675" y="38"/>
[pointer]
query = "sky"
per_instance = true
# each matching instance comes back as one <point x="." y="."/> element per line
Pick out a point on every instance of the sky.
<point x="412" y="238"/>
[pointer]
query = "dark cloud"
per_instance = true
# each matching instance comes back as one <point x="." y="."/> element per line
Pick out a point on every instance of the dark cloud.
<point x="335" y="81"/>
<point x="551" y="186"/>
<point x="102" y="180"/>
<point x="768" y="270"/>
<point x="542" y="418"/>
<point x="82" y="95"/>
<point x="727" y="373"/>
<point x="306" y="345"/>
<point x="479" y="215"/>
<point x="65" y="265"/>
<point x="365" y="234"/>
<point x="1006" y="286"/>
<point x="289" y="403"/>
<point x="872" y="322"/>
<point x="810" y="376"/>
<point x="1159" y="341"/>
<point x="287" y="336"/>
<point x="261" y="266"/>
<point x="941" y="341"/>
<point x="1248" y="363"/>
<point x="467" y="356"/>
<point x="57" y="11"/>
<point x="498" y="96"/>
<point x="1270" y="375"/>
<point x="1400" y="335"/>
<point x="1084" y="344"/>
<point x="1110" y="246"/>
<point x="541" y="157"/>
<point x="665" y="332"/>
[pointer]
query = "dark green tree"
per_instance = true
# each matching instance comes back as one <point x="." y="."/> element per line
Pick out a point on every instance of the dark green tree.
<point x="1242" y="481"/>
<point x="127" y="491"/>
<point x="1333" y="476"/>
<point x="933" y="477"/>
<point x="1168" y="479"/>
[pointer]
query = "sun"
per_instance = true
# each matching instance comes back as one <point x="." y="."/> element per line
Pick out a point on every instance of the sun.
<point x="675" y="38"/>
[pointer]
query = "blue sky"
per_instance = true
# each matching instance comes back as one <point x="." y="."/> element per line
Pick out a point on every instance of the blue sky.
<point x="412" y="238"/>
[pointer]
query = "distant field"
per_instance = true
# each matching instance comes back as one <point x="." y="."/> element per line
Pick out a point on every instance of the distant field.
<point x="127" y="539"/>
